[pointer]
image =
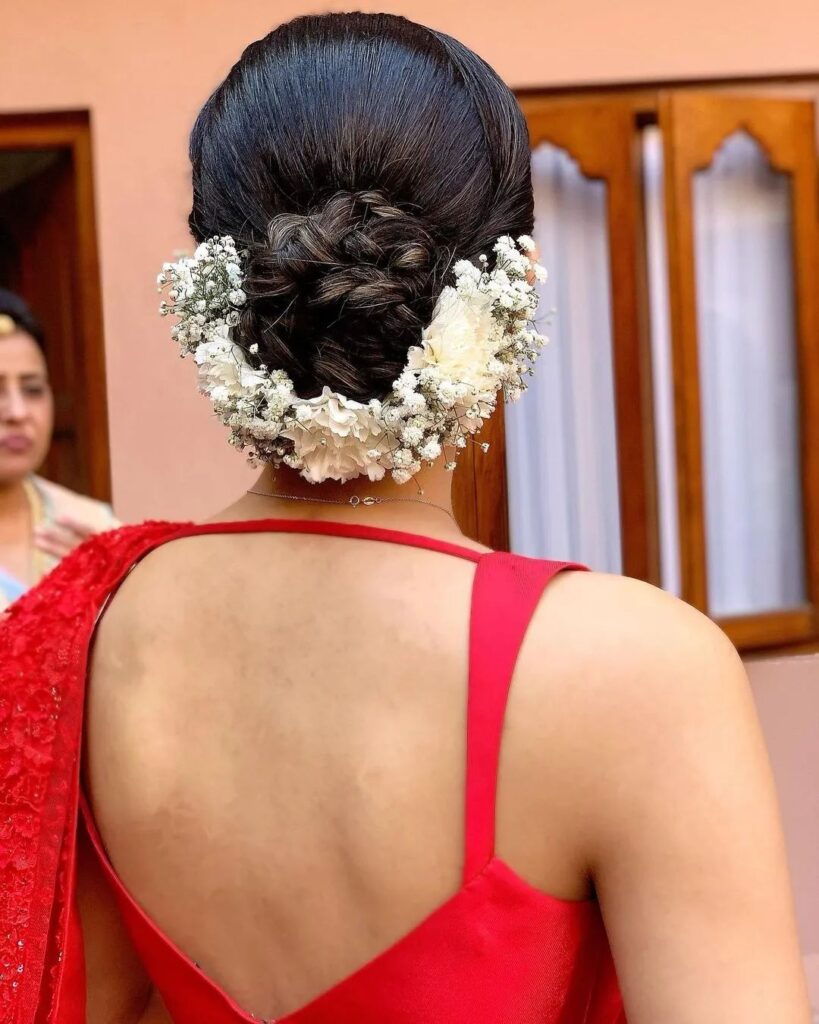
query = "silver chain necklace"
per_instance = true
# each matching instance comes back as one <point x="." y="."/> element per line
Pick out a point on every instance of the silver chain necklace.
<point x="355" y="501"/>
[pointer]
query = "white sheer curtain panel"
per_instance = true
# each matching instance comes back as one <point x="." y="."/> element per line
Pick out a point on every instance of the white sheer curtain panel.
<point x="562" y="459"/>
<point x="662" y="372"/>
<point x="748" y="382"/>
<point x="561" y="442"/>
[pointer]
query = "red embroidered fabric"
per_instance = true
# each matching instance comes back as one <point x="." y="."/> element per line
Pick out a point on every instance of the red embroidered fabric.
<point x="497" y="952"/>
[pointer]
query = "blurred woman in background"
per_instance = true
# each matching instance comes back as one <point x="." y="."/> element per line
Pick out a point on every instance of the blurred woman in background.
<point x="40" y="521"/>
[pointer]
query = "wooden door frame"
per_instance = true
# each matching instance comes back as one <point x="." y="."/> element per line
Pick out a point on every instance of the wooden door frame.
<point x="71" y="131"/>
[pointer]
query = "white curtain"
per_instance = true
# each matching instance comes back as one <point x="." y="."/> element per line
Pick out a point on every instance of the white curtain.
<point x="562" y="458"/>
<point x="662" y="372"/>
<point x="562" y="462"/>
<point x="742" y="226"/>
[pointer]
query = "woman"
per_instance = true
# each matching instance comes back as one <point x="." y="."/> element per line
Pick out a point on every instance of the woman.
<point x="295" y="803"/>
<point x="40" y="521"/>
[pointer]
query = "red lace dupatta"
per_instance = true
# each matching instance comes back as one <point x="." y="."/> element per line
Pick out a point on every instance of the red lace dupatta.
<point x="44" y="643"/>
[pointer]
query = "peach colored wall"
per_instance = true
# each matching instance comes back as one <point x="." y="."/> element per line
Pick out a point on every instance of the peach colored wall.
<point x="787" y="697"/>
<point x="144" y="69"/>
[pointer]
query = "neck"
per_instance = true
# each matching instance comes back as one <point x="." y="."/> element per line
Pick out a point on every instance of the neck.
<point x="12" y="497"/>
<point x="433" y="485"/>
<point x="284" y="494"/>
<point x="14" y="510"/>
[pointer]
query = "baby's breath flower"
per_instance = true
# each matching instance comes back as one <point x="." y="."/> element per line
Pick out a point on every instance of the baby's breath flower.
<point x="477" y="344"/>
<point x="431" y="450"/>
<point x="403" y="458"/>
<point x="415" y="402"/>
<point x="412" y="436"/>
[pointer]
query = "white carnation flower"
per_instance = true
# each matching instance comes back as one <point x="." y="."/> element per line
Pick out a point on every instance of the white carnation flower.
<point x="333" y="438"/>
<point x="220" y="363"/>
<point x="455" y="341"/>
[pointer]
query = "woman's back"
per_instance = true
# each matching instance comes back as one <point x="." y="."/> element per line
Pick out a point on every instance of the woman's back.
<point x="277" y="764"/>
<point x="277" y="748"/>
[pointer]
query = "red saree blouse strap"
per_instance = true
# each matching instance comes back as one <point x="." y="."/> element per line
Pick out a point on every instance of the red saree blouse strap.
<point x="506" y="593"/>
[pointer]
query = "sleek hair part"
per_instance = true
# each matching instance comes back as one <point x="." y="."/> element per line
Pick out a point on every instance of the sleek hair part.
<point x="353" y="157"/>
<point x="18" y="310"/>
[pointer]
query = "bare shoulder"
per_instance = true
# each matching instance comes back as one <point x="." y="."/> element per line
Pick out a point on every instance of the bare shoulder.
<point x="615" y="609"/>
<point x="640" y="700"/>
<point x="628" y="646"/>
<point x="640" y="707"/>
<point x="154" y="593"/>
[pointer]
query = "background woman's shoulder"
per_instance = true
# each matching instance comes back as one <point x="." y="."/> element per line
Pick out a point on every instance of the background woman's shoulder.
<point x="62" y="502"/>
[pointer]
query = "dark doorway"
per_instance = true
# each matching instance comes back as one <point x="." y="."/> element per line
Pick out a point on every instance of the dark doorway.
<point x="48" y="254"/>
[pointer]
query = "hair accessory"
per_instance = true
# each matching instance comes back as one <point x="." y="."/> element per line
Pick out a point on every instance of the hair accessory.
<point x="7" y="325"/>
<point x="480" y="341"/>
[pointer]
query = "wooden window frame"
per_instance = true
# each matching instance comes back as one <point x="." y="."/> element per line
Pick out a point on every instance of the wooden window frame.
<point x="695" y="126"/>
<point x="598" y="136"/>
<point x="562" y="117"/>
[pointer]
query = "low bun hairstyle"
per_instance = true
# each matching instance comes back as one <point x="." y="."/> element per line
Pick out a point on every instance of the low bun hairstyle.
<point x="353" y="157"/>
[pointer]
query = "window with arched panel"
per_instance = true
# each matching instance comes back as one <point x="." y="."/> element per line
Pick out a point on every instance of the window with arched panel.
<point x="562" y="441"/>
<point x="743" y="245"/>
<point x="672" y="432"/>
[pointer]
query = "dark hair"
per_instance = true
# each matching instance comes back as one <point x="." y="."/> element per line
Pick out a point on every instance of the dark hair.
<point x="18" y="310"/>
<point x="353" y="156"/>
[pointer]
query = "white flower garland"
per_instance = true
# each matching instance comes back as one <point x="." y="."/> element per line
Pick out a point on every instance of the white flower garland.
<point x="479" y="342"/>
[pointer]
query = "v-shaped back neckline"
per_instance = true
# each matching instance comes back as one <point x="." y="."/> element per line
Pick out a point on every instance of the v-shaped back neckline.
<point x="495" y="874"/>
<point x="482" y="870"/>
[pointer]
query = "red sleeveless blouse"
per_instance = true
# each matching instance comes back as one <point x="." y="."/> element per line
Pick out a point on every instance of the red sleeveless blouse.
<point x="498" y="951"/>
